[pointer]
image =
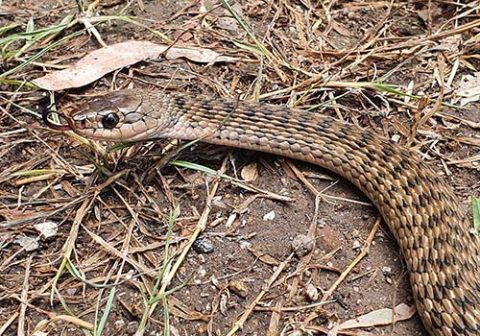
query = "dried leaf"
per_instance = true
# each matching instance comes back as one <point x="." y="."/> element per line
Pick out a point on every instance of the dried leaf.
<point x="469" y="89"/>
<point x="102" y="61"/>
<point x="380" y="317"/>
<point x="265" y="258"/>
<point x="47" y="229"/>
<point x="28" y="243"/>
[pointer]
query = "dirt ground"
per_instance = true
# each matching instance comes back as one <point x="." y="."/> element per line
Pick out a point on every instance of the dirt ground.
<point x="101" y="272"/>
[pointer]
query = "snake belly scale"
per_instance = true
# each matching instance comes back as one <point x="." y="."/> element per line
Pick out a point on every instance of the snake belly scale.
<point x="420" y="209"/>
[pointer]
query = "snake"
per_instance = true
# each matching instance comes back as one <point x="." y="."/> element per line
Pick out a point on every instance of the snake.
<point x="440" y="248"/>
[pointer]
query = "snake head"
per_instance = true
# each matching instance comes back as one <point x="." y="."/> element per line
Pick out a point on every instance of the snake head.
<point x="124" y="115"/>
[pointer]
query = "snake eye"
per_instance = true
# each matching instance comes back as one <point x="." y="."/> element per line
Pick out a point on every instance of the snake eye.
<point x="110" y="120"/>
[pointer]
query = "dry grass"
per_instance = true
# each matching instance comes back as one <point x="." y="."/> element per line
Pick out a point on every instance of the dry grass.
<point x="127" y="219"/>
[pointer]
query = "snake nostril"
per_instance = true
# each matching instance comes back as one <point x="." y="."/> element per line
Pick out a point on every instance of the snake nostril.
<point x="110" y="120"/>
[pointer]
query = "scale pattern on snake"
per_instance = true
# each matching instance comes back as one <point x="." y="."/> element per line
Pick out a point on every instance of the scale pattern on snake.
<point x="420" y="209"/>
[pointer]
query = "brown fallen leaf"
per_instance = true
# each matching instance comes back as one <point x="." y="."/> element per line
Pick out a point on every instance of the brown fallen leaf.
<point x="99" y="62"/>
<point x="265" y="258"/>
<point x="380" y="317"/>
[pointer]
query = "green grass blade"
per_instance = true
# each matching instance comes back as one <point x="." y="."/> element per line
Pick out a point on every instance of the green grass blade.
<point x="476" y="213"/>
<point x="41" y="53"/>
<point x="194" y="166"/>
<point x="108" y="308"/>
<point x="8" y="27"/>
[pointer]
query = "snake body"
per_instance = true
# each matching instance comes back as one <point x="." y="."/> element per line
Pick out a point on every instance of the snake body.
<point x="420" y="209"/>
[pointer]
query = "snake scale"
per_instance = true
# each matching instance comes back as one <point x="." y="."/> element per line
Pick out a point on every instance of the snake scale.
<point x="420" y="209"/>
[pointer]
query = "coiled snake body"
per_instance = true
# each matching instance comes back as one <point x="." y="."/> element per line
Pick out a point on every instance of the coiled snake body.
<point x="426" y="218"/>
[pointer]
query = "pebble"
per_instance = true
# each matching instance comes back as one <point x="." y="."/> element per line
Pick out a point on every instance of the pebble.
<point x="132" y="327"/>
<point x="238" y="287"/>
<point x="302" y="245"/>
<point x="387" y="270"/>
<point x="269" y="216"/>
<point x="356" y="245"/>
<point x="395" y="138"/>
<point x="203" y="245"/>
<point x="201" y="271"/>
<point x="312" y="292"/>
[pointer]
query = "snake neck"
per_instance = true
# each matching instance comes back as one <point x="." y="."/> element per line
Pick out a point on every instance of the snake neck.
<point x="419" y="208"/>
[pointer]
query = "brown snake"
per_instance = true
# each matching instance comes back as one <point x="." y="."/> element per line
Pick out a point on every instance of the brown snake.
<point x="426" y="218"/>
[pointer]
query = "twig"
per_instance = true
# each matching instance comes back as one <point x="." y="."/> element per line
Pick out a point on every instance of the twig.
<point x="239" y="323"/>
<point x="363" y="253"/>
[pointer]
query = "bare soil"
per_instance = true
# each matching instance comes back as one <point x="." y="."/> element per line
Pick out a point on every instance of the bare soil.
<point x="114" y="212"/>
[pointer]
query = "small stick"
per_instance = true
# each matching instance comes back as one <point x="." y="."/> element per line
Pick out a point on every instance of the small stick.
<point x="239" y="323"/>
<point x="363" y="253"/>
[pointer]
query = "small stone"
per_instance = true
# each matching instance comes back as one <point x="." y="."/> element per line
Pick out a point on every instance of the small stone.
<point x="356" y="245"/>
<point x="387" y="271"/>
<point x="238" y="287"/>
<point x="269" y="216"/>
<point x="201" y="271"/>
<point x="395" y="138"/>
<point x="302" y="245"/>
<point x="132" y="327"/>
<point x="203" y="245"/>
<point x="312" y="292"/>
